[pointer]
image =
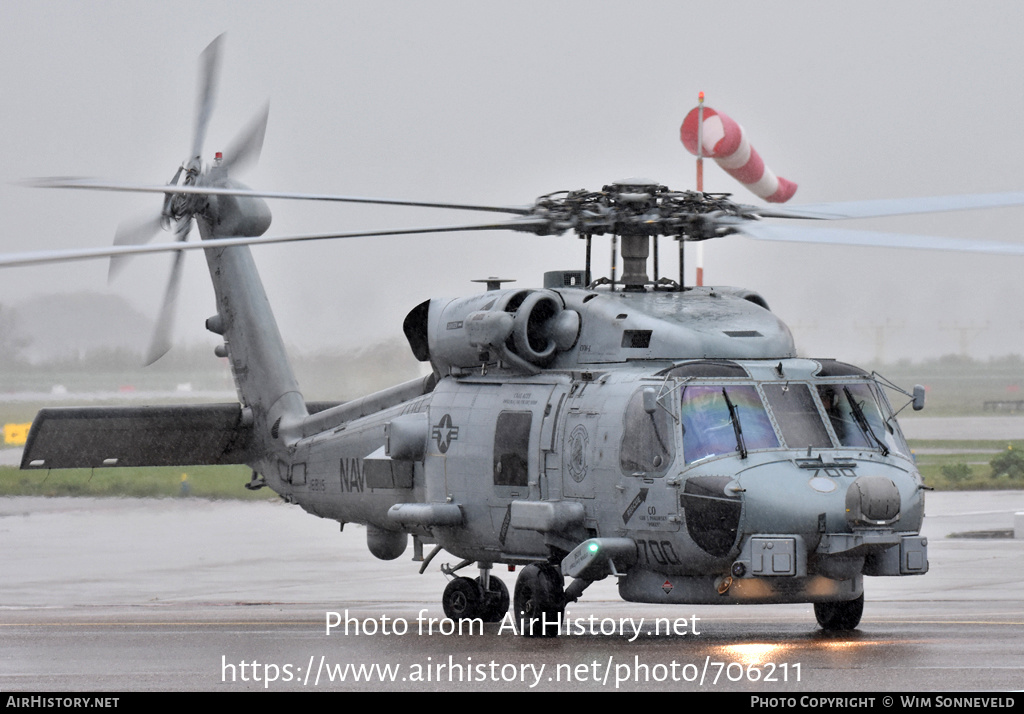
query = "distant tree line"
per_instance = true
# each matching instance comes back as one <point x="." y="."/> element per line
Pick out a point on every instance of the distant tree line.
<point x="1008" y="464"/>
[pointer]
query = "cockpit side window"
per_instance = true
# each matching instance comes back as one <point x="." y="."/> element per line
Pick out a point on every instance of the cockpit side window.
<point x="858" y="417"/>
<point x="797" y="416"/>
<point x="840" y="414"/>
<point x="708" y="426"/>
<point x="648" y="443"/>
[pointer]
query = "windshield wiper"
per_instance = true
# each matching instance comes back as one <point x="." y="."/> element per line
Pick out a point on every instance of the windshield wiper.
<point x="863" y="423"/>
<point x="734" y="416"/>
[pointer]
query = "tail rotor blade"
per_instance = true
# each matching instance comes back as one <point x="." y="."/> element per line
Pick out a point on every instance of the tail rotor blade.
<point x="209" y="68"/>
<point x="135" y="232"/>
<point x="244" y="151"/>
<point x="164" y="329"/>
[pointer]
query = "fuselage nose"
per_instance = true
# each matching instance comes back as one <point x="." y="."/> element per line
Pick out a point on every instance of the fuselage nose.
<point x="830" y="495"/>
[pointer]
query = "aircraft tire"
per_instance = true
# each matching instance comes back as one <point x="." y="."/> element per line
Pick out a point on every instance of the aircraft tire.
<point x="496" y="600"/>
<point x="839" y="616"/>
<point x="463" y="599"/>
<point x="540" y="600"/>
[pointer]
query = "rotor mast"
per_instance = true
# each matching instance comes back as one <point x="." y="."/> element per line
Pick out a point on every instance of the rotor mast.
<point x="636" y="199"/>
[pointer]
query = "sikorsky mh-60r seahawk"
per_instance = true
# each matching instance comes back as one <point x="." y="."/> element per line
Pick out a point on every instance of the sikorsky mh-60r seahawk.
<point x="668" y="436"/>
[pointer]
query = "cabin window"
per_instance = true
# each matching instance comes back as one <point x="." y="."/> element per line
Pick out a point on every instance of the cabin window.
<point x="708" y="425"/>
<point x="648" y="443"/>
<point x="797" y="416"/>
<point x="511" y="449"/>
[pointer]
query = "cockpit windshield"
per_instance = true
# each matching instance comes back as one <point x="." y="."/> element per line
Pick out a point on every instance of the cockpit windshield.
<point x="797" y="416"/>
<point x="724" y="419"/>
<point x="711" y="428"/>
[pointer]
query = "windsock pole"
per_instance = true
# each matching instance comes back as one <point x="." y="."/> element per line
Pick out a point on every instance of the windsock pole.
<point x="700" y="142"/>
<point x="700" y="179"/>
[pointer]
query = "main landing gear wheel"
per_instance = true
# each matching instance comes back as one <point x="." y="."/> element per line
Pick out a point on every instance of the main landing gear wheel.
<point x="839" y="616"/>
<point x="540" y="600"/>
<point x="465" y="599"/>
<point x="462" y="599"/>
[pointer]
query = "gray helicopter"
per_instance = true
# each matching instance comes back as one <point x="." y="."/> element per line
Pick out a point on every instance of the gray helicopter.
<point x="628" y="426"/>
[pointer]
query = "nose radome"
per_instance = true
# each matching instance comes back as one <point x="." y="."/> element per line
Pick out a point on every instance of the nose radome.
<point x="872" y="500"/>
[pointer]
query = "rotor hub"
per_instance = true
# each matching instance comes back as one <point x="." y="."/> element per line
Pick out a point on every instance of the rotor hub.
<point x="637" y="210"/>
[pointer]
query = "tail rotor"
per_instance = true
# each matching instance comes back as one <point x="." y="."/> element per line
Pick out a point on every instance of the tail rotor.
<point x="179" y="209"/>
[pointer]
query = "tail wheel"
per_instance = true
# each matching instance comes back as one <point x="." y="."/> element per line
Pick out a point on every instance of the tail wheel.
<point x="839" y="616"/>
<point x="495" y="599"/>
<point x="463" y="599"/>
<point x="540" y="600"/>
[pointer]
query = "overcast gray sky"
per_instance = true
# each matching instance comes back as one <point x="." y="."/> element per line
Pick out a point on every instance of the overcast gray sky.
<point x="492" y="102"/>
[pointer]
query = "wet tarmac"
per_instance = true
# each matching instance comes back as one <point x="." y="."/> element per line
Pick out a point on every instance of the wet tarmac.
<point x="108" y="594"/>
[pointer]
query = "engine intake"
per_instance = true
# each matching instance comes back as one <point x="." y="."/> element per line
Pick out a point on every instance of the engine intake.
<point x="524" y="329"/>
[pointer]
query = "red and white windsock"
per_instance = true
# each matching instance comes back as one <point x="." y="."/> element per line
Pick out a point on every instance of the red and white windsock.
<point x="724" y="141"/>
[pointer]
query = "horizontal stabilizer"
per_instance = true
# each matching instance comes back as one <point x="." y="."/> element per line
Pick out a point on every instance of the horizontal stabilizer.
<point x="176" y="435"/>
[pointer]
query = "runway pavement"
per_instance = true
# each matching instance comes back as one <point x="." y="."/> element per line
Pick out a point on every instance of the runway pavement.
<point x="1001" y="427"/>
<point x="196" y="595"/>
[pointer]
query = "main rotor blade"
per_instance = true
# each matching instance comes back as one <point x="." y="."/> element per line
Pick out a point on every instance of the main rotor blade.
<point x="895" y="206"/>
<point x="209" y="69"/>
<point x="63" y="256"/>
<point x="93" y="184"/>
<point x="839" y="236"/>
<point x="245" y="150"/>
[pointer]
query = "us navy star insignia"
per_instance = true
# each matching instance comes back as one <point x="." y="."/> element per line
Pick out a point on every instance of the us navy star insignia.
<point x="444" y="433"/>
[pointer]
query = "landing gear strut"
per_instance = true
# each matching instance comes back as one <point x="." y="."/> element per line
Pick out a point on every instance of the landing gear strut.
<point x="839" y="616"/>
<point x="540" y="600"/>
<point x="485" y="598"/>
<point x="496" y="599"/>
